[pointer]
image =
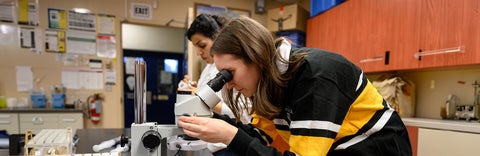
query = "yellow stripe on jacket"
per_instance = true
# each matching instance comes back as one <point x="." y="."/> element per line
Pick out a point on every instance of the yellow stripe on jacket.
<point x="361" y="111"/>
<point x="268" y="126"/>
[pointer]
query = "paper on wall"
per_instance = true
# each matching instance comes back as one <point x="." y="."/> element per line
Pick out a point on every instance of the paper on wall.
<point x="81" y="42"/>
<point x="8" y="35"/>
<point x="7" y="11"/>
<point x="87" y="79"/>
<point x="106" y="46"/>
<point x="106" y="24"/>
<point x="24" y="78"/>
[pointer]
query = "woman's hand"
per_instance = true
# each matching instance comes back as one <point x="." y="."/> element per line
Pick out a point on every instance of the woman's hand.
<point x="208" y="129"/>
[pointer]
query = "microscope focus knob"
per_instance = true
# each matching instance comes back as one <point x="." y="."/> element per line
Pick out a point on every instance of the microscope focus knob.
<point x="151" y="139"/>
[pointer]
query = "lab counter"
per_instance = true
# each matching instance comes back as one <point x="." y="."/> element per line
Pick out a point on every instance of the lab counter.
<point x="89" y="137"/>
<point x="451" y="125"/>
<point x="38" y="110"/>
<point x="86" y="139"/>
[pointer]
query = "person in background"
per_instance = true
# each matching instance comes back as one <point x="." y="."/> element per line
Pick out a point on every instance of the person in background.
<point x="201" y="33"/>
<point x="321" y="103"/>
<point x="186" y="84"/>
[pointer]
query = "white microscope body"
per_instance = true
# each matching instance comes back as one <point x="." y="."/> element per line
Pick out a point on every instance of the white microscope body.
<point x="151" y="139"/>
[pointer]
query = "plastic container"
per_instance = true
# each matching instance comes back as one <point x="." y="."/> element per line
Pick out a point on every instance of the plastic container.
<point x="37" y="96"/>
<point x="319" y="6"/>
<point x="38" y="100"/>
<point x="58" y="100"/>
<point x="58" y="96"/>
<point x="3" y="102"/>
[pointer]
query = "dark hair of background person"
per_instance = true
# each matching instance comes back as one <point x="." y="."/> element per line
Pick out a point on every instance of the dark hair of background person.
<point x="207" y="25"/>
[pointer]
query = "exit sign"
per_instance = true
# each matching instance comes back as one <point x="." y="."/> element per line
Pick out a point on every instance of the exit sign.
<point x="141" y="11"/>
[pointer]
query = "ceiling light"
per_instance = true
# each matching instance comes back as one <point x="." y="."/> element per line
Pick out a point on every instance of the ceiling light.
<point x="81" y="10"/>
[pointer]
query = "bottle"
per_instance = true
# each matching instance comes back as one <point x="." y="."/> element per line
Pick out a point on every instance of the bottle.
<point x="451" y="106"/>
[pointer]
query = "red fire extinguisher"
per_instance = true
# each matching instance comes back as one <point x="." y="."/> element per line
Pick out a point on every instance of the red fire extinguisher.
<point x="95" y="107"/>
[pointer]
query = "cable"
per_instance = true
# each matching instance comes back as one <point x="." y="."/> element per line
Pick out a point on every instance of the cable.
<point x="179" y="149"/>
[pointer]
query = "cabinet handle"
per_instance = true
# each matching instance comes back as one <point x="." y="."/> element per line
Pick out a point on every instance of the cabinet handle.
<point x="69" y="120"/>
<point x="376" y="58"/>
<point x="421" y="53"/>
<point x="5" y="116"/>
<point x="37" y="121"/>
<point x="5" y="122"/>
<point x="387" y="57"/>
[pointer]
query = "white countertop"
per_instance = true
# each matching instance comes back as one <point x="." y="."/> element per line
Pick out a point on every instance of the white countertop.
<point x="454" y="125"/>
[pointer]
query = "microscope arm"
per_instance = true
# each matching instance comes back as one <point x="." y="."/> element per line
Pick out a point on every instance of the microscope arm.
<point x="200" y="104"/>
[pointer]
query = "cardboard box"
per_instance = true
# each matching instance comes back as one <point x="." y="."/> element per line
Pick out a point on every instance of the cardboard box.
<point x="290" y="17"/>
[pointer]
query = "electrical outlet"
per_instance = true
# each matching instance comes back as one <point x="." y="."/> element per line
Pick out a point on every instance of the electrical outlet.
<point x="432" y="84"/>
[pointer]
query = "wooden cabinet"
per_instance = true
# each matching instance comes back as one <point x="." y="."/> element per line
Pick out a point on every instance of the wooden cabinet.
<point x="9" y="122"/>
<point x="373" y="25"/>
<point x="450" y="24"/>
<point x="404" y="37"/>
<point x="364" y="31"/>
<point x="332" y="30"/>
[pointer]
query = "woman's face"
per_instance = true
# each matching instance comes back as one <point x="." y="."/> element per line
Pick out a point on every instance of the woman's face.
<point x="202" y="46"/>
<point x="245" y="76"/>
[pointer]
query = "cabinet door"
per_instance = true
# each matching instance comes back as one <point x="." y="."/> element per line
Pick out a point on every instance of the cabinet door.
<point x="471" y="29"/>
<point x="372" y="34"/>
<point x="447" y="25"/>
<point x="389" y="33"/>
<point x="405" y="34"/>
<point x="413" y="136"/>
<point x="332" y="30"/>
<point x="37" y="121"/>
<point x="72" y="120"/>
<point x="9" y="122"/>
<point x="447" y="143"/>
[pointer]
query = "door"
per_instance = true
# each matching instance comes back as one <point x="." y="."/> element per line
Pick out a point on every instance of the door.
<point x="163" y="70"/>
<point x="447" y="32"/>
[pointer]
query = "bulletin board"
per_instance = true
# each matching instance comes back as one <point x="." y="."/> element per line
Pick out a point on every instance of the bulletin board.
<point x="220" y="10"/>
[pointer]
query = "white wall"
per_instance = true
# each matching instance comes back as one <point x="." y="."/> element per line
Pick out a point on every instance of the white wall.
<point x="429" y="99"/>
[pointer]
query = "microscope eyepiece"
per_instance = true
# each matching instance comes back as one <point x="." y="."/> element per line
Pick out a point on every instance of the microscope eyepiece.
<point x="220" y="79"/>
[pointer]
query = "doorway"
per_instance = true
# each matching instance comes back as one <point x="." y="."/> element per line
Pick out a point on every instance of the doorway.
<point x="162" y="74"/>
<point x="163" y="50"/>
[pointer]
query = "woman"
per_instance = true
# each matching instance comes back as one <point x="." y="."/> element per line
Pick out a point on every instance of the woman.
<point x="321" y="103"/>
<point x="201" y="33"/>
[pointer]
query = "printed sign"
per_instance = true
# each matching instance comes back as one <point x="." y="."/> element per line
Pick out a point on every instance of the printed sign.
<point x="141" y="11"/>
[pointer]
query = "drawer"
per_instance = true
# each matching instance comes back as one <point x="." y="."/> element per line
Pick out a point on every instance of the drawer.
<point x="9" y="122"/>
<point x="73" y="120"/>
<point x="37" y="122"/>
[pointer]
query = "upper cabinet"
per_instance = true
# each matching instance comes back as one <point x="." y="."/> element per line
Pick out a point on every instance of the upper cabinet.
<point x="451" y="29"/>
<point x="388" y="35"/>
<point x="332" y="30"/>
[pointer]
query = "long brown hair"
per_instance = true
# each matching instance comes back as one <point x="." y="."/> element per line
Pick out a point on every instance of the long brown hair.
<point x="254" y="44"/>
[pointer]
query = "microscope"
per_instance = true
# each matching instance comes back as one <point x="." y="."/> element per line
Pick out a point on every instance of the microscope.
<point x="150" y="138"/>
